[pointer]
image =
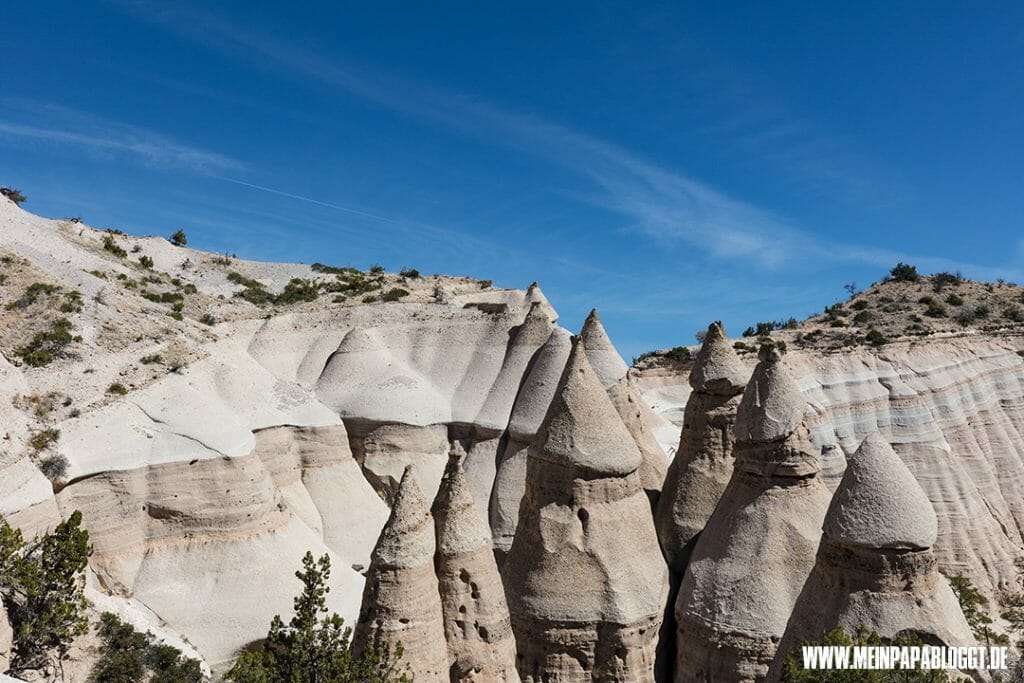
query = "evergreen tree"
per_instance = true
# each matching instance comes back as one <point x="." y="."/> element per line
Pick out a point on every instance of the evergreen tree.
<point x="42" y="586"/>
<point x="971" y="603"/>
<point x="314" y="647"/>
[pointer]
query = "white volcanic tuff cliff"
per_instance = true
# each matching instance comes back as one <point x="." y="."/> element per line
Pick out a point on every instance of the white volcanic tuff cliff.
<point x="233" y="462"/>
<point x="953" y="410"/>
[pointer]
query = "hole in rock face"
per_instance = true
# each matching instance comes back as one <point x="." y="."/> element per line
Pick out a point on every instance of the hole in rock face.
<point x="583" y="515"/>
<point x="464" y="575"/>
<point x="462" y="609"/>
<point x="403" y="620"/>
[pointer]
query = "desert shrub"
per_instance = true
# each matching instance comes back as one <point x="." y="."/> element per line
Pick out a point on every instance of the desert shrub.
<point x="943" y="280"/>
<point x="315" y="645"/>
<point x="118" y="389"/>
<point x="32" y="294"/>
<point x="964" y="317"/>
<point x="741" y="346"/>
<point x="875" y="337"/>
<point x="128" y="656"/>
<point x="254" y="291"/>
<point x="394" y="294"/>
<point x="296" y="291"/>
<point x="14" y="195"/>
<point x="332" y="270"/>
<point x="369" y="299"/>
<point x="54" y="467"/>
<point x="208" y="319"/>
<point x="859" y="305"/>
<point x="904" y="272"/>
<point x="982" y="311"/>
<point x="163" y="297"/>
<point x="43" y="439"/>
<point x="862" y="317"/>
<point x="954" y="300"/>
<point x="935" y="310"/>
<point x="410" y="273"/>
<point x="178" y="238"/>
<point x="42" y="584"/>
<point x="678" y="354"/>
<point x="72" y="302"/>
<point x="223" y="260"/>
<point x="376" y="269"/>
<point x="146" y="262"/>
<point x="111" y="245"/>
<point x="1013" y="314"/>
<point x="352" y="284"/>
<point x="47" y="345"/>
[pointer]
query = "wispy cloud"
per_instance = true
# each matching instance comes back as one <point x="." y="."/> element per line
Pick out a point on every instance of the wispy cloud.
<point x="64" y="126"/>
<point x="664" y="204"/>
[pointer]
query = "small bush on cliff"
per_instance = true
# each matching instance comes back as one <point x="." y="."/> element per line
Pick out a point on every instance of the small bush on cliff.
<point x="904" y="272"/>
<point x="314" y="647"/>
<point x="41" y="585"/>
<point x="129" y="655"/>
<point x="178" y="238"/>
<point x="13" y="194"/>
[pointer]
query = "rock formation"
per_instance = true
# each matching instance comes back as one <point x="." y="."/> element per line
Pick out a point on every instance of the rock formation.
<point x="531" y="404"/>
<point x="585" y="578"/>
<point x="6" y="639"/>
<point x="757" y="549"/>
<point x="703" y="464"/>
<point x="476" y="620"/>
<point x="401" y="602"/>
<point x="614" y="375"/>
<point x="875" y="566"/>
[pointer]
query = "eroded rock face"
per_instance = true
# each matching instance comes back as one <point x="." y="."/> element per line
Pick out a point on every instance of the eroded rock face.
<point x="6" y="639"/>
<point x="876" y="567"/>
<point x="476" y="620"/>
<point x="703" y="465"/>
<point x="401" y="602"/>
<point x="753" y="557"/>
<point x="585" y="578"/>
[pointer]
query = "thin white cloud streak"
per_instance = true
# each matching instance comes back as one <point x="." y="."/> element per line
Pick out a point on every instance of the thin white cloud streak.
<point x="309" y="200"/>
<point x="665" y="205"/>
<point x="108" y="137"/>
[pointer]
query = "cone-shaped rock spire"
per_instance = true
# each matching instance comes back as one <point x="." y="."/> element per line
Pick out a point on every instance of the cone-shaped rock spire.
<point x="772" y="406"/>
<point x="731" y="611"/>
<point x="602" y="354"/>
<point x="876" y="567"/>
<point x="584" y="577"/>
<point x="401" y="602"/>
<point x="879" y="503"/>
<point x="581" y="428"/>
<point x="717" y="369"/>
<point x="476" y="620"/>
<point x="625" y="395"/>
<point x="703" y="464"/>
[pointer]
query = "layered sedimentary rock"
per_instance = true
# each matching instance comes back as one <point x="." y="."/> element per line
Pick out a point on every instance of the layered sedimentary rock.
<point x="953" y="409"/>
<point x="585" y="578"/>
<point x="753" y="557"/>
<point x="401" y="602"/>
<point x="875" y="566"/>
<point x="481" y="646"/>
<point x="703" y="464"/>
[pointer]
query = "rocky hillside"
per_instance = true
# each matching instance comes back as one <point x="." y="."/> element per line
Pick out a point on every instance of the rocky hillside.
<point x="215" y="418"/>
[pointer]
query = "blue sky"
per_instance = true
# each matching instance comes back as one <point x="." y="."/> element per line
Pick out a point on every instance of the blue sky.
<point x="668" y="163"/>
